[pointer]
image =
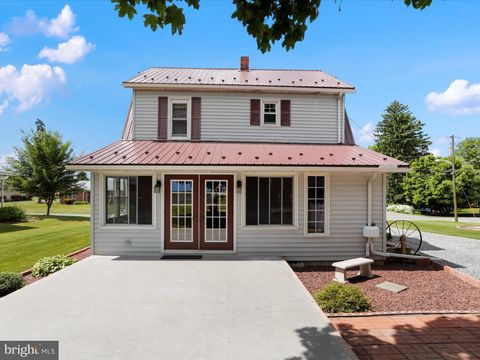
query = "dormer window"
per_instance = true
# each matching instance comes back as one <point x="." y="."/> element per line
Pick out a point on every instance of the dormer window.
<point x="270" y="112"/>
<point x="179" y="124"/>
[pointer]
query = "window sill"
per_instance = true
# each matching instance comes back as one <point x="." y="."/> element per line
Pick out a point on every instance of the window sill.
<point x="269" y="227"/>
<point x="113" y="227"/>
<point x="319" y="235"/>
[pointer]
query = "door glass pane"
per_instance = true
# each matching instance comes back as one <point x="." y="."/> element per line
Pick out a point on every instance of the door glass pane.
<point x="181" y="211"/>
<point x="216" y="208"/>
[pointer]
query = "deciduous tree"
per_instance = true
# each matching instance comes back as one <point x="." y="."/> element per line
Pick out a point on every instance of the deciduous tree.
<point x="39" y="167"/>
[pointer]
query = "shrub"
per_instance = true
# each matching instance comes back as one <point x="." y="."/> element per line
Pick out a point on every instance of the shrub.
<point x="12" y="214"/>
<point x="17" y="197"/>
<point x="404" y="209"/>
<point x="9" y="282"/>
<point x="49" y="265"/>
<point x="81" y="202"/>
<point x="68" y="201"/>
<point x="341" y="298"/>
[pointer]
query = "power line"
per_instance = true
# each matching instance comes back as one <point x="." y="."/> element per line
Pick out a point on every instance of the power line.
<point x="362" y="129"/>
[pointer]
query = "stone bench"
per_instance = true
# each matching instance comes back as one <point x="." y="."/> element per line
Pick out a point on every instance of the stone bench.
<point x="341" y="268"/>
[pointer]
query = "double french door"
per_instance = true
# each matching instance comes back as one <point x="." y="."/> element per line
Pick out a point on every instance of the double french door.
<point x="199" y="212"/>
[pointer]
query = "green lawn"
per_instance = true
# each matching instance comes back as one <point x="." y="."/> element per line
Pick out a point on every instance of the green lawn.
<point x="470" y="212"/>
<point x="32" y="206"/>
<point x="22" y="244"/>
<point x="448" y="228"/>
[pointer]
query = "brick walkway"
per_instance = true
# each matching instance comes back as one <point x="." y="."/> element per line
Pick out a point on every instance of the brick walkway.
<point x="401" y="337"/>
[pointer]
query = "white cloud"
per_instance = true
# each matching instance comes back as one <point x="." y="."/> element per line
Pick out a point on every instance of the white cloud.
<point x="61" y="26"/>
<point x="3" y="159"/>
<point x="68" y="52"/>
<point x="460" y="98"/>
<point x="31" y="85"/>
<point x="3" y="106"/>
<point x="4" y="41"/>
<point x="365" y="134"/>
<point x="435" y="151"/>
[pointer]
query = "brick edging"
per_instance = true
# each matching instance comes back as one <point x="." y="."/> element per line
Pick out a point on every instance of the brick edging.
<point x="458" y="274"/>
<point x="400" y="313"/>
<point x="29" y="271"/>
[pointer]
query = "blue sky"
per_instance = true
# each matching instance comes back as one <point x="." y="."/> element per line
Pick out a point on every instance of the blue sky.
<point x="83" y="53"/>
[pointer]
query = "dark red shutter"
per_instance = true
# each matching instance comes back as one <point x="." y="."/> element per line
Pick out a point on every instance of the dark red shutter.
<point x="255" y="112"/>
<point x="196" y="117"/>
<point x="162" y="117"/>
<point x="285" y="113"/>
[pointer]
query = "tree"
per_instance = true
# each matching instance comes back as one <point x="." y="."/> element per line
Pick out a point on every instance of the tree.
<point x="400" y="135"/>
<point x="267" y="21"/>
<point x="468" y="184"/>
<point x="429" y="185"/>
<point x="469" y="151"/>
<point x="39" y="167"/>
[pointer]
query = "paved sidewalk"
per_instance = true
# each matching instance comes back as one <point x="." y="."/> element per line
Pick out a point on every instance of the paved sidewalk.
<point x="404" y="337"/>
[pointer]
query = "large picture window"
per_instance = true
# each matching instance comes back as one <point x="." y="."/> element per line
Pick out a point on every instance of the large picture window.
<point x="269" y="201"/>
<point x="316" y="205"/>
<point x="128" y="200"/>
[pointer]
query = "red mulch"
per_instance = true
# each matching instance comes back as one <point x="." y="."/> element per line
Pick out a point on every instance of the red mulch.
<point x="80" y="256"/>
<point x="428" y="289"/>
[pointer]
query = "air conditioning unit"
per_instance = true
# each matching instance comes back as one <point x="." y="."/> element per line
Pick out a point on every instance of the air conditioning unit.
<point x="371" y="231"/>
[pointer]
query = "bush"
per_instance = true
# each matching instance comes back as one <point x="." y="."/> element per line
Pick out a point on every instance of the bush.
<point x="12" y="214"/>
<point x="49" y="265"/>
<point x="341" y="298"/>
<point x="404" y="209"/>
<point x="68" y="201"/>
<point x="18" y="197"/>
<point x="81" y="202"/>
<point x="9" y="282"/>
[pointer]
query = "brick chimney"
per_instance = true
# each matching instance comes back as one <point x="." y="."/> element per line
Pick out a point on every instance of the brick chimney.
<point x="244" y="63"/>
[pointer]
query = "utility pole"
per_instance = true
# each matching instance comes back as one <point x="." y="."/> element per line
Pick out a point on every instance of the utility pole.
<point x="454" y="188"/>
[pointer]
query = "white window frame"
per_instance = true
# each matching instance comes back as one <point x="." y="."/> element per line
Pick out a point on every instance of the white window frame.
<point x="227" y="209"/>
<point x="171" y="102"/>
<point x="275" y="227"/>
<point x="171" y="216"/>
<point x="326" y="176"/>
<point x="115" y="227"/>
<point x="277" y="111"/>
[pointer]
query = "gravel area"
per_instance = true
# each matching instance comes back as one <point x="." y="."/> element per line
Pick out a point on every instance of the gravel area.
<point x="80" y="256"/>
<point x="428" y="289"/>
<point x="459" y="253"/>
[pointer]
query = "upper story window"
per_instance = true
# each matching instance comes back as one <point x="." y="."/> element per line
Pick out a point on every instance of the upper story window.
<point x="270" y="112"/>
<point x="179" y="122"/>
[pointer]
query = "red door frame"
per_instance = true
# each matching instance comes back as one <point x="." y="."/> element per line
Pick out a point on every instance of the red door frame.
<point x="228" y="245"/>
<point x="198" y="213"/>
<point x="169" y="245"/>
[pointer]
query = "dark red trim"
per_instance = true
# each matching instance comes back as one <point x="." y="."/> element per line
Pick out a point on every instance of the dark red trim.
<point x="285" y="112"/>
<point x="169" y="245"/>
<point x="230" y="209"/>
<point x="255" y="112"/>
<point x="162" y="117"/>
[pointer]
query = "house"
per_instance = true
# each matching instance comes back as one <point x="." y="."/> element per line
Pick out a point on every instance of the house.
<point x="252" y="162"/>
<point x="82" y="196"/>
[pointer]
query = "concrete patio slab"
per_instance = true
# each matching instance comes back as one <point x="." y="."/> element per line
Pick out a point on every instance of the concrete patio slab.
<point x="146" y="308"/>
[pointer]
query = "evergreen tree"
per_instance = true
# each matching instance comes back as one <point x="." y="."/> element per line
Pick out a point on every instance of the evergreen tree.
<point x="39" y="167"/>
<point x="400" y="135"/>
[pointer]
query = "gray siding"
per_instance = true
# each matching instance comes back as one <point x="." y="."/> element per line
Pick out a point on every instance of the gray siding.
<point x="348" y="214"/>
<point x="226" y="117"/>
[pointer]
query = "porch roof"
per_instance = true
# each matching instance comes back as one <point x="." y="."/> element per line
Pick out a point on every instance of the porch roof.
<point x="175" y="153"/>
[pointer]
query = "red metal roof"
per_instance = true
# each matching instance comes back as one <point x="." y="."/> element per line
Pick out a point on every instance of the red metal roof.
<point x="316" y="79"/>
<point x="145" y="152"/>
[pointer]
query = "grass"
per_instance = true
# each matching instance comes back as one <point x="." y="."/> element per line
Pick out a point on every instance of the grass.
<point x="469" y="212"/>
<point x="22" y="244"/>
<point x="32" y="207"/>
<point x="448" y="228"/>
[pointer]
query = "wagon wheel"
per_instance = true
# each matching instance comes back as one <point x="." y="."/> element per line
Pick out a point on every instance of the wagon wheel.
<point x="403" y="237"/>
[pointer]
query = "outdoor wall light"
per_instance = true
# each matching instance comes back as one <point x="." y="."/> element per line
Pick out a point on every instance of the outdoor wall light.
<point x="239" y="184"/>
<point x="157" y="187"/>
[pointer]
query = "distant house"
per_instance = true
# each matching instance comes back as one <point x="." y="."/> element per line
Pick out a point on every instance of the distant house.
<point x="245" y="161"/>
<point x="83" y="196"/>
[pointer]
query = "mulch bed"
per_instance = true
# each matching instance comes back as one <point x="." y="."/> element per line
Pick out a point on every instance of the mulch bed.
<point x="80" y="256"/>
<point x="429" y="289"/>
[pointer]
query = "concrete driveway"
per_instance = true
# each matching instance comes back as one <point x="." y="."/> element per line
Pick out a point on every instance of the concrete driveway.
<point x="145" y="308"/>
